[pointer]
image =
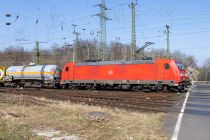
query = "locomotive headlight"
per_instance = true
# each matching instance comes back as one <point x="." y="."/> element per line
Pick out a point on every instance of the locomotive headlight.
<point x="183" y="75"/>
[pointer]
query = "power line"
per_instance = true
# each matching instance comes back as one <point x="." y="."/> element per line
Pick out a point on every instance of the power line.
<point x="161" y="21"/>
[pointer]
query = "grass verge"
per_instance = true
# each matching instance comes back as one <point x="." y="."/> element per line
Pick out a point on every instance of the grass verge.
<point x="18" y="119"/>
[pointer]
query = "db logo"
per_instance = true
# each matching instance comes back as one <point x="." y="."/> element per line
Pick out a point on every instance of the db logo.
<point x="110" y="72"/>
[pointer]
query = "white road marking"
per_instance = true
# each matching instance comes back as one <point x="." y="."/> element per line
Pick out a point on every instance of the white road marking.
<point x="179" y="121"/>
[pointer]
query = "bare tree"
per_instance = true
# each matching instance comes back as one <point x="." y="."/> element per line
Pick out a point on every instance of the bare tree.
<point x="15" y="55"/>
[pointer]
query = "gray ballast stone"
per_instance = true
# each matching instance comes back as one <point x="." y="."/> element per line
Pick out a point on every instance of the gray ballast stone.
<point x="97" y="116"/>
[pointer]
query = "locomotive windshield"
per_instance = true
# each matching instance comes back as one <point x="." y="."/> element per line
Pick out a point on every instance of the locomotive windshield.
<point x="180" y="66"/>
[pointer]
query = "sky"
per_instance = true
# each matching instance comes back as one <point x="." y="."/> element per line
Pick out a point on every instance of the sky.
<point x="50" y="21"/>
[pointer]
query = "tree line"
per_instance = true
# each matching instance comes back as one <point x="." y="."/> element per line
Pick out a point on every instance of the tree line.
<point x="88" y="51"/>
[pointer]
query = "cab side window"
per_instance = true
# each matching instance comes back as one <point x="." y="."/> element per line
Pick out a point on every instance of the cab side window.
<point x="166" y="66"/>
<point x="67" y="68"/>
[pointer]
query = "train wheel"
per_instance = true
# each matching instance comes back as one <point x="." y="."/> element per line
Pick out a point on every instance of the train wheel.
<point x="88" y="86"/>
<point x="19" y="86"/>
<point x="165" y="88"/>
<point x="153" y="88"/>
<point x="181" y="88"/>
<point x="72" y="86"/>
<point x="66" y="86"/>
<point x="96" y="87"/>
<point x="174" y="89"/>
<point x="135" y="88"/>
<point x="57" y="86"/>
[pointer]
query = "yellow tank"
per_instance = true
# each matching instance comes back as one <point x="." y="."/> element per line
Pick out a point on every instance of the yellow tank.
<point x="2" y="73"/>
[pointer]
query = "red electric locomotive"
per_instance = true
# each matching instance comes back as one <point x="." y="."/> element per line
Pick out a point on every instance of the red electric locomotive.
<point x="160" y="74"/>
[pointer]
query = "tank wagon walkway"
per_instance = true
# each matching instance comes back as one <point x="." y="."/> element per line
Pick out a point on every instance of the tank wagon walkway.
<point x="195" y="124"/>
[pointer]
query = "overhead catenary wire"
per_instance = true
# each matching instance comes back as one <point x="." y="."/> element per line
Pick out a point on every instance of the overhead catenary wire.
<point x="146" y="36"/>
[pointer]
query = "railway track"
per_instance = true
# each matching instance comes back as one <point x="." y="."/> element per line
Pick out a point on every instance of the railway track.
<point x="136" y="101"/>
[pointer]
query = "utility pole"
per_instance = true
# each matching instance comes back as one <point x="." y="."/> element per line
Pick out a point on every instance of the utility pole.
<point x="132" y="6"/>
<point x="168" y="41"/>
<point x="75" y="54"/>
<point x="88" y="51"/>
<point x="103" y="19"/>
<point x="37" y="52"/>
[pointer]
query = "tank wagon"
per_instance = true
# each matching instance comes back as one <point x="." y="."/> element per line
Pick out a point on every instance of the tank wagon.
<point x="160" y="74"/>
<point x="2" y="73"/>
<point x="35" y="75"/>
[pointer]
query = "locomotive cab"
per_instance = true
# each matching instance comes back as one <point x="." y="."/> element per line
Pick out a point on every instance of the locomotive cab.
<point x="185" y="81"/>
<point x="182" y="70"/>
<point x="172" y="74"/>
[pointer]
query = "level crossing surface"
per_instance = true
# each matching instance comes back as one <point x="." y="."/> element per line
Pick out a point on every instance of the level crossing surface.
<point x="194" y="123"/>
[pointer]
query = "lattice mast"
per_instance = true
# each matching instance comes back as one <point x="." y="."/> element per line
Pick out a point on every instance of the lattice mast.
<point x="132" y="6"/>
<point x="103" y="19"/>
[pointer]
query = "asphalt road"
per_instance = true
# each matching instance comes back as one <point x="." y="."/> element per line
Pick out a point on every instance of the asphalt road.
<point x="195" y="124"/>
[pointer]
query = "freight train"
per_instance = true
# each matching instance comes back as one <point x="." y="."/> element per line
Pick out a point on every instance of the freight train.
<point x="154" y="75"/>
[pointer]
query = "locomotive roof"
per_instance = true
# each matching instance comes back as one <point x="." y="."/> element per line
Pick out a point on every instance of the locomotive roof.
<point x="116" y="62"/>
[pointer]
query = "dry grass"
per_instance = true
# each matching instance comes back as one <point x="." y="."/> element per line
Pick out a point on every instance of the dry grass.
<point x="72" y="119"/>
